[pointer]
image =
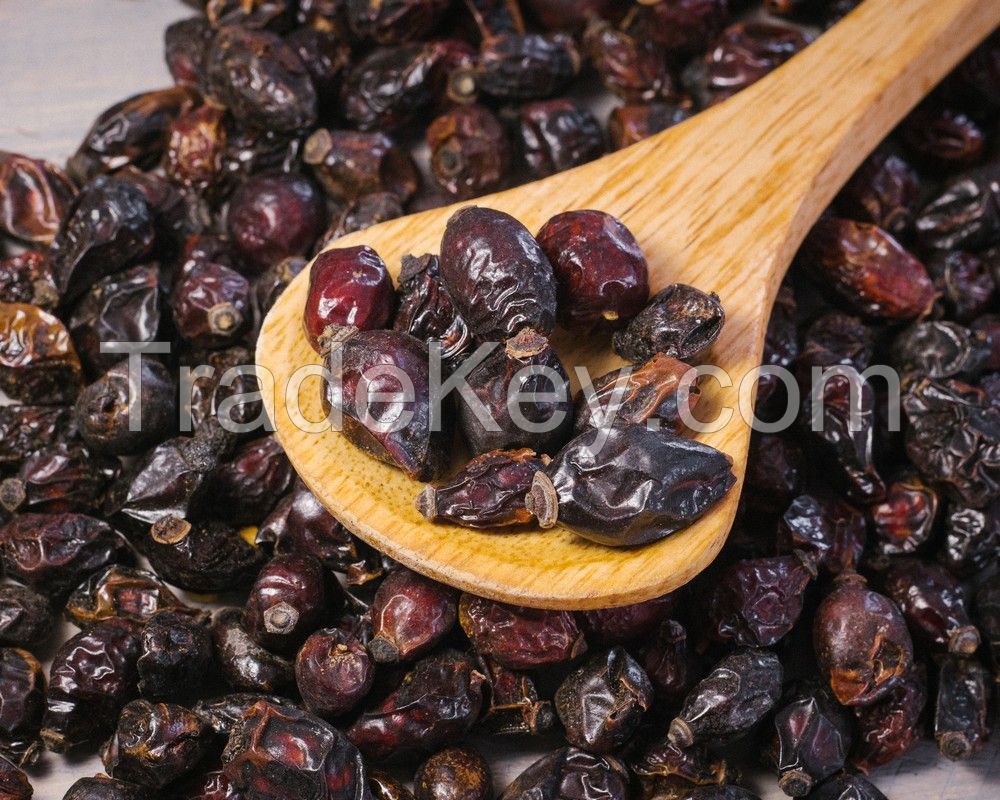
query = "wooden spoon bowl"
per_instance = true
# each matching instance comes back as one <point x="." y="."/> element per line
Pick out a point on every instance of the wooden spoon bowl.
<point x="720" y="202"/>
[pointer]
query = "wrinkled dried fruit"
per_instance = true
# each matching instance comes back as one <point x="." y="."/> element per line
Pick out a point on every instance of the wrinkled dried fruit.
<point x="679" y="321"/>
<point x="861" y="641"/>
<point x="667" y="482"/>
<point x="602" y="702"/>
<point x="518" y="637"/>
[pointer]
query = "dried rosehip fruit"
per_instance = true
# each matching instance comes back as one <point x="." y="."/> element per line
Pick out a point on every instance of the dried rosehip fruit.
<point x="954" y="412"/>
<point x="629" y="124"/>
<point x="352" y="164"/>
<point x="602" y="702"/>
<point x="14" y="784"/>
<point x="301" y="524"/>
<point x="37" y="361"/>
<point x="223" y="713"/>
<point x="680" y="321"/>
<point x="633" y="68"/>
<point x="861" y="641"/>
<point x="394" y="85"/>
<point x="488" y="492"/>
<point x="758" y="601"/>
<point x="730" y="700"/>
<point x="34" y="197"/>
<point x="333" y="672"/>
<point x="437" y="704"/>
<point x="934" y="605"/>
<point x="27" y="428"/>
<point x="743" y="54"/>
<point x="366" y="211"/>
<point x="101" y="787"/>
<point x="211" y="305"/>
<point x="498" y="275"/>
<point x="470" y="155"/>
<point x="246" y="665"/>
<point x="455" y="773"/>
<point x="166" y="482"/>
<point x="939" y="349"/>
<point x="410" y="614"/>
<point x="347" y="287"/>
<point x="326" y="54"/>
<point x="663" y="767"/>
<point x="557" y="135"/>
<point x="129" y="306"/>
<point x="184" y="45"/>
<point x="133" y="131"/>
<point x="127" y="592"/>
<point x="269" y="285"/>
<point x="601" y="273"/>
<point x="519" y="397"/>
<point x="940" y="137"/>
<point x="232" y="378"/>
<point x="260" y="79"/>
<point x="890" y="727"/>
<point x="963" y="697"/>
<point x="513" y="706"/>
<point x="26" y="618"/>
<point x="28" y="278"/>
<point x="683" y="27"/>
<point x="625" y="624"/>
<point x="53" y="553"/>
<point x="108" y="227"/>
<point x="681" y="479"/>
<point x="428" y="312"/>
<point x="291" y="598"/>
<point x="884" y="191"/>
<point x="22" y="702"/>
<point x="971" y="540"/>
<point x="265" y="757"/>
<point x="275" y="215"/>
<point x="421" y="447"/>
<point x="60" y="478"/>
<point x="966" y="283"/>
<point x="812" y="738"/>
<point x="518" y="637"/>
<point x="250" y="482"/>
<point x="525" y="66"/>
<point x="669" y="661"/>
<point x="569" y="772"/>
<point x="904" y="520"/>
<point x="826" y="528"/>
<point x="176" y="660"/>
<point x="206" y="556"/>
<point x="154" y="745"/>
<point x="93" y="675"/>
<point x="116" y="418"/>
<point x="868" y="269"/>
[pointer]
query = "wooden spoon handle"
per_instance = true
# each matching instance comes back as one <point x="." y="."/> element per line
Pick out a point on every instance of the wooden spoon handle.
<point x="796" y="136"/>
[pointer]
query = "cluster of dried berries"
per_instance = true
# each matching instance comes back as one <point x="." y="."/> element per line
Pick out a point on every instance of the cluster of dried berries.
<point x="855" y="602"/>
<point x="491" y="300"/>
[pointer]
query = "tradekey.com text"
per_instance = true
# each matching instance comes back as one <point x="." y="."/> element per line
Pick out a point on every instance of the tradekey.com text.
<point x="385" y="396"/>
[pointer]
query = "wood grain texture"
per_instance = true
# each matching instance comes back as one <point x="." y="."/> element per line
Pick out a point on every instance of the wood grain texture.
<point x="721" y="202"/>
<point x="56" y="74"/>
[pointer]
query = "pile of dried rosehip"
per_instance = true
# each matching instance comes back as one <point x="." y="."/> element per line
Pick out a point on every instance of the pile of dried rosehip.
<point x="333" y="673"/>
<point x="487" y="307"/>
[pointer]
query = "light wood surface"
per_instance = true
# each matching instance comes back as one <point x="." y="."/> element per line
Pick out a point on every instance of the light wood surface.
<point x="721" y="202"/>
<point x="56" y="73"/>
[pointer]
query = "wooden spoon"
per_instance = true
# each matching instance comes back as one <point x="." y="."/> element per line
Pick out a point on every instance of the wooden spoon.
<point x="721" y="202"/>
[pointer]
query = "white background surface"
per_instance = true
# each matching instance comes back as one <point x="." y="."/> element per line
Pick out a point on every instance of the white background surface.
<point x="61" y="63"/>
